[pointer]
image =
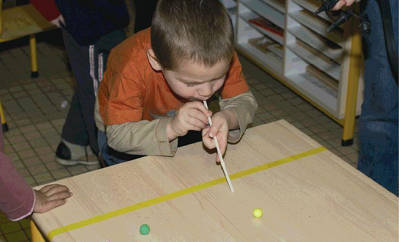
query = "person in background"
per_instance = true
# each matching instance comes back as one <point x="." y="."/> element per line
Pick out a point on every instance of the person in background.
<point x="150" y="100"/>
<point x="379" y="120"/>
<point x="144" y="13"/>
<point x="18" y="200"/>
<point x="90" y="28"/>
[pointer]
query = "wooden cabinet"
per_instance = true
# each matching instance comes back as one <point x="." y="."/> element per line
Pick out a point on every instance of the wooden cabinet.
<point x="288" y="41"/>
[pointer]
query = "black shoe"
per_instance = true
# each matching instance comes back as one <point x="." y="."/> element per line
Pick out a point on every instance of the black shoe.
<point x="80" y="155"/>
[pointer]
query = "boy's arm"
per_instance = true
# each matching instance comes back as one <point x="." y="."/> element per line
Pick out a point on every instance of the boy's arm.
<point x="142" y="138"/>
<point x="138" y="138"/>
<point x="242" y="109"/>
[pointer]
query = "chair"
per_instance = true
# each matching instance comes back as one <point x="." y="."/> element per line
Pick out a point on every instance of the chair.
<point x="20" y="21"/>
<point x="4" y="125"/>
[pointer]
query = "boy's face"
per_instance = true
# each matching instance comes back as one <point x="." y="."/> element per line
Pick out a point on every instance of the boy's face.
<point x="193" y="81"/>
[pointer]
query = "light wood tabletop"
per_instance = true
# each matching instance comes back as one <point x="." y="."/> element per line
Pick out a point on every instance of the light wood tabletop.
<point x="306" y="193"/>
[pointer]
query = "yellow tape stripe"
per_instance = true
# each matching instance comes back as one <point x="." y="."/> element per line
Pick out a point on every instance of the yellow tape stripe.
<point x="180" y="193"/>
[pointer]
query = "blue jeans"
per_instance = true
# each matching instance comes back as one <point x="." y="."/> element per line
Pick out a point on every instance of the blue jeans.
<point x="103" y="149"/>
<point x="378" y="127"/>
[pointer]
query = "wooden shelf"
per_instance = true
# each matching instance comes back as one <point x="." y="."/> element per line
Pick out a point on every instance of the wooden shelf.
<point x="277" y="4"/>
<point x="248" y="15"/>
<point x="315" y="58"/>
<point x="318" y="42"/>
<point x="269" y="60"/>
<point x="318" y="25"/>
<point x="266" y="11"/>
<point x="304" y="56"/>
<point x="312" y="6"/>
<point x="265" y="44"/>
<point x="323" y="77"/>
<point x="316" y="90"/>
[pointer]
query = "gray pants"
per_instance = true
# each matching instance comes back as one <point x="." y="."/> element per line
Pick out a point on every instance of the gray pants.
<point x="88" y="64"/>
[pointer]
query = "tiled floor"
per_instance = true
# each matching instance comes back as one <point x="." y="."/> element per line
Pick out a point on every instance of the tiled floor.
<point x="35" y="114"/>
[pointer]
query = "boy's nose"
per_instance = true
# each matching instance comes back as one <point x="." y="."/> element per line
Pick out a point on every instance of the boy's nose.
<point x="206" y="90"/>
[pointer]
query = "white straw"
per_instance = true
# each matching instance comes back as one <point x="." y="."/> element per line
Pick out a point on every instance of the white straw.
<point x="220" y="154"/>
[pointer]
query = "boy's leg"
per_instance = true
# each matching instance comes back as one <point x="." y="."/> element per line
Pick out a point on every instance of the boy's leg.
<point x="79" y="129"/>
<point x="379" y="124"/>
<point x="109" y="156"/>
<point x="112" y="157"/>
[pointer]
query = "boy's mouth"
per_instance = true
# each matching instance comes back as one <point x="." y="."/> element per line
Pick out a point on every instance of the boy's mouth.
<point x="200" y="99"/>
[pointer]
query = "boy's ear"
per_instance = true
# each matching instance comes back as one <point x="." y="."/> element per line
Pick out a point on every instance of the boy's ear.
<point x="153" y="60"/>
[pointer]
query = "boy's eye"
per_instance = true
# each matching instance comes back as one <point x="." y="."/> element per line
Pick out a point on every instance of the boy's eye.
<point x="191" y="84"/>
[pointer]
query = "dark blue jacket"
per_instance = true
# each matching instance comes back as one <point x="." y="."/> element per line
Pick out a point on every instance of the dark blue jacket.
<point x="88" y="20"/>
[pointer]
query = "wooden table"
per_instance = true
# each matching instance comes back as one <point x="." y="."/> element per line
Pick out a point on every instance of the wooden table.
<point x="306" y="193"/>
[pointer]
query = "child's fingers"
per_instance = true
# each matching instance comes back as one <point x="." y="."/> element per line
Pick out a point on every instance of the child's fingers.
<point x="56" y="189"/>
<point x="194" y="124"/>
<point x="48" y="187"/>
<point x="205" y="132"/>
<point x="215" y="128"/>
<point x="196" y="114"/>
<point x="222" y="141"/>
<point x="49" y="205"/>
<point x="59" y="196"/>
<point x="201" y="108"/>
<point x="207" y="141"/>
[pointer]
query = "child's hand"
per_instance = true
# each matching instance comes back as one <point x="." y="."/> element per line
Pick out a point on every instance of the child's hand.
<point x="191" y="116"/>
<point x="218" y="129"/>
<point x="50" y="196"/>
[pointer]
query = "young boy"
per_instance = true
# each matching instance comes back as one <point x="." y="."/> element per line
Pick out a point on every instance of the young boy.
<point x="150" y="100"/>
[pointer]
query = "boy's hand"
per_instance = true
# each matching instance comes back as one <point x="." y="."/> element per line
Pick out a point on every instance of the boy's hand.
<point x="191" y="116"/>
<point x="219" y="129"/>
<point x="50" y="196"/>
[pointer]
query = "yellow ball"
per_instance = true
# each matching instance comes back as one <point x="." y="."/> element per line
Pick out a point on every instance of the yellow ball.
<point x="257" y="212"/>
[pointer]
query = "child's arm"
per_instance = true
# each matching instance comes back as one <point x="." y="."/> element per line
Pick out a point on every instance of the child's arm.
<point x="231" y="122"/>
<point x="142" y="138"/>
<point x="242" y="109"/>
<point x="238" y="106"/>
<point x="191" y="116"/>
<point x="19" y="200"/>
<point x="138" y="138"/>
<point x="17" y="197"/>
<point x="157" y="137"/>
<point x="238" y="101"/>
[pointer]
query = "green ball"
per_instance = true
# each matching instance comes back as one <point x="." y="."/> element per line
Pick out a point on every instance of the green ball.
<point x="144" y="229"/>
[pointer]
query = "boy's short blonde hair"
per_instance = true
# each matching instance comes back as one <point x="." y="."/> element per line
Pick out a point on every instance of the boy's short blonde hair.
<point x="191" y="30"/>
